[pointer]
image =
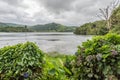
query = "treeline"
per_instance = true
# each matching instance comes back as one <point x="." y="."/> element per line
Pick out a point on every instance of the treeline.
<point x="97" y="27"/>
<point x="101" y="27"/>
<point x="14" y="29"/>
<point x="51" y="27"/>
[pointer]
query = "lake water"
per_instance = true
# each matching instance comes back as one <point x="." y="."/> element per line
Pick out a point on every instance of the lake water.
<point x="62" y="42"/>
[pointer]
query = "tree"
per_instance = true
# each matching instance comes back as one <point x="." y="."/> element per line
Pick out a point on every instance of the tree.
<point x="106" y="13"/>
<point x="25" y="26"/>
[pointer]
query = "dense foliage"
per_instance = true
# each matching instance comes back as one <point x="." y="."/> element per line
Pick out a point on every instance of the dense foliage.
<point x="27" y="62"/>
<point x="98" y="59"/>
<point x="116" y="16"/>
<point x="96" y="28"/>
<point x="22" y="61"/>
<point x="54" y="68"/>
<point x="116" y="21"/>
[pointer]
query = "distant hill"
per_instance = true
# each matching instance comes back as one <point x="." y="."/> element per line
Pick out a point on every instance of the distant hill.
<point x="14" y="29"/>
<point x="99" y="27"/>
<point x="52" y="27"/>
<point x="3" y="24"/>
<point x="10" y="25"/>
<point x="92" y="28"/>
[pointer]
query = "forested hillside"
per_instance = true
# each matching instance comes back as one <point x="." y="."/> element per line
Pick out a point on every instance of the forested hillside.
<point x="100" y="27"/>
<point x="10" y="24"/>
<point x="14" y="29"/>
<point x="52" y="27"/>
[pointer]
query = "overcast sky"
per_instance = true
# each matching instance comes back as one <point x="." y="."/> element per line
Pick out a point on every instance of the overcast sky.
<point x="67" y="12"/>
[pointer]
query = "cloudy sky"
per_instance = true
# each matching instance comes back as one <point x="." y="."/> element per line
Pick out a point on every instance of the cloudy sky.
<point x="68" y="12"/>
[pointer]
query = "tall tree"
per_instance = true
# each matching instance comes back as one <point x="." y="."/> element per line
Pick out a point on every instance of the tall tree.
<point x="105" y="13"/>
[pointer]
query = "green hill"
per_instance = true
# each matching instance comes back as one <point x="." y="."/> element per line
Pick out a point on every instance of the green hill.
<point x="52" y="27"/>
<point x="14" y="29"/>
<point x="11" y="27"/>
<point x="99" y="27"/>
<point x="3" y="24"/>
<point x="10" y="24"/>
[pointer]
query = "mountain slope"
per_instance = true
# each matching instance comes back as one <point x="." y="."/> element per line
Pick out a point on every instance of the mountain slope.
<point x="52" y="27"/>
<point x="97" y="27"/>
<point x="10" y="25"/>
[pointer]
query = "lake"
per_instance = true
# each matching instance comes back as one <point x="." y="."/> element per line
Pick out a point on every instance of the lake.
<point x="62" y="42"/>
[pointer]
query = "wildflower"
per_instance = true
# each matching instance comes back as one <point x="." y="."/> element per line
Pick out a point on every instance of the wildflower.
<point x="99" y="57"/>
<point x="26" y="75"/>
<point x="79" y="60"/>
<point x="114" y="53"/>
<point x="89" y="58"/>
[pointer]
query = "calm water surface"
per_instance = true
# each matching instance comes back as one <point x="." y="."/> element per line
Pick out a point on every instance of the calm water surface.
<point x="65" y="42"/>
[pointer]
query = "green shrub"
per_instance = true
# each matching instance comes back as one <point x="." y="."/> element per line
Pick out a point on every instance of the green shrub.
<point x="68" y="64"/>
<point x="98" y="59"/>
<point x="21" y="61"/>
<point x="54" y="68"/>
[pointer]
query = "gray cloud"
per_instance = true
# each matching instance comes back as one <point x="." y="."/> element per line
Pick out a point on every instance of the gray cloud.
<point x="57" y="5"/>
<point x="14" y="2"/>
<point x="12" y="11"/>
<point x="68" y="12"/>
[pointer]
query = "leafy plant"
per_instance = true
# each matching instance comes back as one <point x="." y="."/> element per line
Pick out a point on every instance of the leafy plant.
<point x="21" y="61"/>
<point x="98" y="59"/>
<point x="54" y="68"/>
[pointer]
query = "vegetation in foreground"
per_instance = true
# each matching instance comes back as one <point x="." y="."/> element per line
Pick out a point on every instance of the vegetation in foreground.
<point x="96" y="59"/>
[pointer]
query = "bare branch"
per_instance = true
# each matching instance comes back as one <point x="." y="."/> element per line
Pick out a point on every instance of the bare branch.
<point x="107" y="12"/>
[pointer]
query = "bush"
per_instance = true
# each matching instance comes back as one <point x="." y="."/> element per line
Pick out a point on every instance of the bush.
<point x="54" y="68"/>
<point x="22" y="61"/>
<point x="68" y="64"/>
<point x="98" y="59"/>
